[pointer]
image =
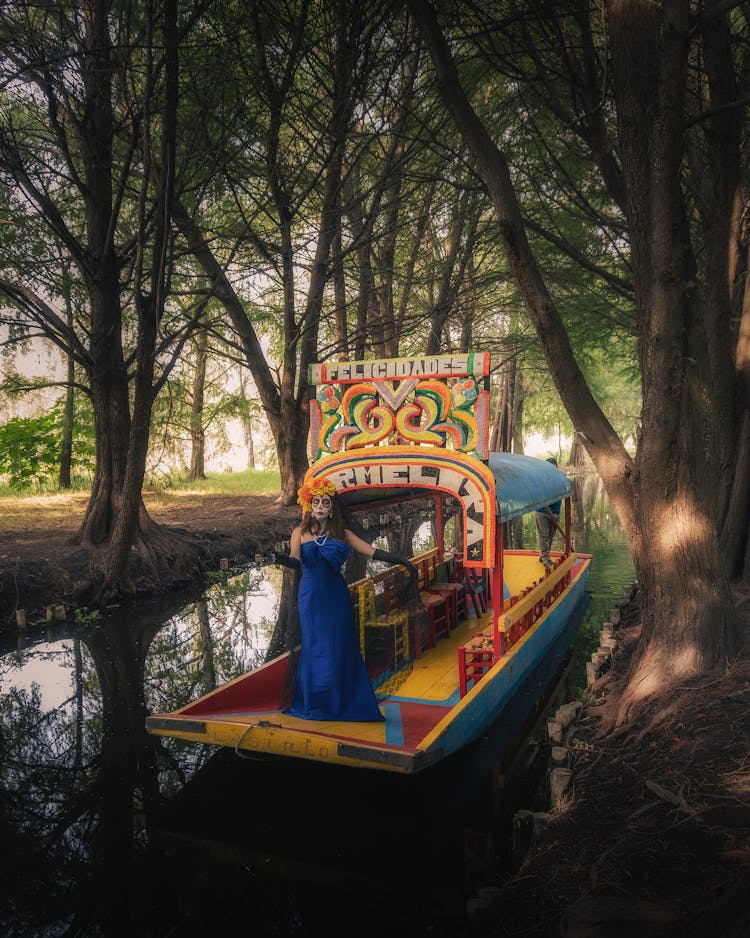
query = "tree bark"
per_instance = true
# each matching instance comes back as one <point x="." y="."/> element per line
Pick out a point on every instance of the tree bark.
<point x="66" y="446"/>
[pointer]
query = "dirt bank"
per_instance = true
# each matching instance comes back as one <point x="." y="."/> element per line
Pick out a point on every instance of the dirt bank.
<point x="40" y="566"/>
<point x="653" y="839"/>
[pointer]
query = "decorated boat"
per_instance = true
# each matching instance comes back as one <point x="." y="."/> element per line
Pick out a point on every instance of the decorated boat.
<point x="405" y="442"/>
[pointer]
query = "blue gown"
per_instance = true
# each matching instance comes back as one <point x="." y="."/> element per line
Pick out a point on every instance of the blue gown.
<point x="332" y="681"/>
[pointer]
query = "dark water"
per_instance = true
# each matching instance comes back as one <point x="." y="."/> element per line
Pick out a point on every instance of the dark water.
<point x="104" y="832"/>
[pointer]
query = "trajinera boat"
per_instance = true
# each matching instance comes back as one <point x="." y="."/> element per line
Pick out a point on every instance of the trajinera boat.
<point x="405" y="442"/>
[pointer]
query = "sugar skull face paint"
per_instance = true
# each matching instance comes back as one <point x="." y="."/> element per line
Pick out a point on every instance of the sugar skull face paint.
<point x="320" y="507"/>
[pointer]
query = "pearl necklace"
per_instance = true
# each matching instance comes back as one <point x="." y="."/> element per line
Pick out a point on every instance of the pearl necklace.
<point x="320" y="539"/>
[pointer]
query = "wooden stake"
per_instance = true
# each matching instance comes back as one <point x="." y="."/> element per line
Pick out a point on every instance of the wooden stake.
<point x="21" y="618"/>
<point x="599" y="659"/>
<point x="566" y="714"/>
<point x="554" y="731"/>
<point x="559" y="782"/>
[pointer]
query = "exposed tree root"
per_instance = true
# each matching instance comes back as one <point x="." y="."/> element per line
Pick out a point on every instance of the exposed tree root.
<point x="161" y="559"/>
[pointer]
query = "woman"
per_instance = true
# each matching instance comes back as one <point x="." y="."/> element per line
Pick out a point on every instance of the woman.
<point x="332" y="681"/>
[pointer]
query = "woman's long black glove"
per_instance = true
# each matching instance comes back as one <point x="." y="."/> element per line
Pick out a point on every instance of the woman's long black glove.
<point x="286" y="561"/>
<point x="392" y="558"/>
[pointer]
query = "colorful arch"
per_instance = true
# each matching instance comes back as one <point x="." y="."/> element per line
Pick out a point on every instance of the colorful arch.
<point x="423" y="467"/>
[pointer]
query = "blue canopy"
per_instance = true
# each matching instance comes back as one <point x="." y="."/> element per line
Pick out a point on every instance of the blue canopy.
<point x="523" y="484"/>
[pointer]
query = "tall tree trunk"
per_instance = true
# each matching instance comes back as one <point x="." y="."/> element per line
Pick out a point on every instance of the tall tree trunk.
<point x="287" y="423"/>
<point x="247" y="420"/>
<point x="92" y="156"/>
<point x="247" y="428"/>
<point x="689" y="622"/>
<point x="160" y="550"/>
<point x="339" y="294"/>
<point x="688" y="615"/>
<point x="362" y="231"/>
<point x="385" y="333"/>
<point x="66" y="445"/>
<point x="197" y="434"/>
<point x="459" y="248"/>
<point x="506" y="435"/>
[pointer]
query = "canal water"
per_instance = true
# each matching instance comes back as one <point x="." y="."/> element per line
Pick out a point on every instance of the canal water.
<point x="104" y="832"/>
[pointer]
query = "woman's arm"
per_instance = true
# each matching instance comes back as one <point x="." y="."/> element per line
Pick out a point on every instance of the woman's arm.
<point x="356" y="543"/>
<point x="295" y="543"/>
<point x="362" y="547"/>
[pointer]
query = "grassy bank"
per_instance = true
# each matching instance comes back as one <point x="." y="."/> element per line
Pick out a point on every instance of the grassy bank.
<point x="20" y="511"/>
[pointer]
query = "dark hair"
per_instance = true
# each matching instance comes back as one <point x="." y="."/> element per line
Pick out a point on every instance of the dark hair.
<point x="336" y="522"/>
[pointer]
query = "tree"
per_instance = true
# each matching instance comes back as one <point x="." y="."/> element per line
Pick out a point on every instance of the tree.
<point x="284" y="190"/>
<point x="88" y="141"/>
<point x="662" y="495"/>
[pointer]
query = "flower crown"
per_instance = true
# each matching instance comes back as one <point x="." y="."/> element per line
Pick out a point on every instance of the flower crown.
<point x="310" y="489"/>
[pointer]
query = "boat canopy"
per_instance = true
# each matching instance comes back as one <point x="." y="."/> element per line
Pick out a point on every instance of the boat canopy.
<point x="523" y="484"/>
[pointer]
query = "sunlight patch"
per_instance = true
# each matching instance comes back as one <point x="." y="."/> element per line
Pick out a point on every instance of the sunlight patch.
<point x="680" y="525"/>
<point x="649" y="679"/>
<point x="686" y="662"/>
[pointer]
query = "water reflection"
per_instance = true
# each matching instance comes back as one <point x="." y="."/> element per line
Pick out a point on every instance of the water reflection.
<point x="107" y="831"/>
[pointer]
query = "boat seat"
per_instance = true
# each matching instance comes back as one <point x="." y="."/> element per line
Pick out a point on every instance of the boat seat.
<point x="458" y="588"/>
<point x="477" y="586"/>
<point x="384" y="638"/>
<point x="454" y="592"/>
<point x="438" y="611"/>
<point x="457" y="592"/>
<point x="387" y="640"/>
<point x="421" y="630"/>
<point x="475" y="658"/>
<point x="439" y="608"/>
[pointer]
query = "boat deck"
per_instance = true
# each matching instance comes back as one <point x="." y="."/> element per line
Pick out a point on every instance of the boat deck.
<point x="414" y="700"/>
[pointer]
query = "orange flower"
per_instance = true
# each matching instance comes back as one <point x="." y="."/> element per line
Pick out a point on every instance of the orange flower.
<point x="316" y="487"/>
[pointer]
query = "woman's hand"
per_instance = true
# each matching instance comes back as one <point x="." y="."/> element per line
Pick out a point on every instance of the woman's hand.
<point x="286" y="561"/>
<point x="394" y="558"/>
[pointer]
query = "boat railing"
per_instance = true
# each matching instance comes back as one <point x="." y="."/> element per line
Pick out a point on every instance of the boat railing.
<point x="520" y="613"/>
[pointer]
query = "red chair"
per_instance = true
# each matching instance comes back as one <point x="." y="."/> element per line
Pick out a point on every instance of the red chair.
<point x="476" y="584"/>
<point x="453" y="590"/>
<point x="438" y="608"/>
<point x="475" y="659"/>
